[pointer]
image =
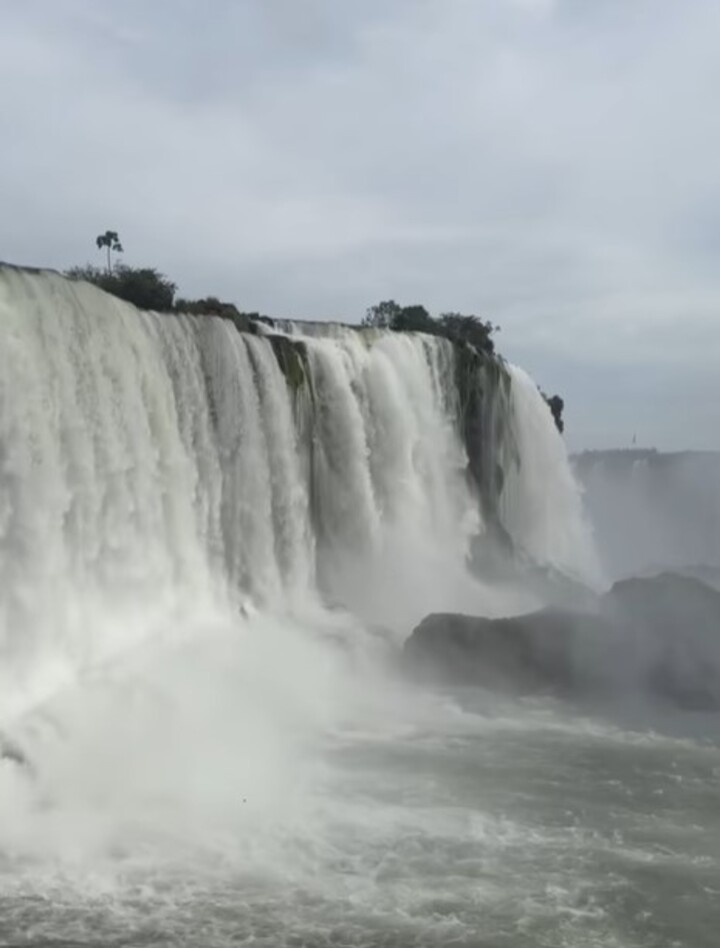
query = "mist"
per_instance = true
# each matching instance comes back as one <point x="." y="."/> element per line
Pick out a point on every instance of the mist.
<point x="652" y="511"/>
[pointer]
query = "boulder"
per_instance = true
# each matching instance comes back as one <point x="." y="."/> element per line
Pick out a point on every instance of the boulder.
<point x="10" y="750"/>
<point x="658" y="637"/>
<point x="666" y="632"/>
<point x="533" y="652"/>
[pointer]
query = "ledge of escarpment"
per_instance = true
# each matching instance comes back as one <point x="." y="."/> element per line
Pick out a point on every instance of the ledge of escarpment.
<point x="657" y="637"/>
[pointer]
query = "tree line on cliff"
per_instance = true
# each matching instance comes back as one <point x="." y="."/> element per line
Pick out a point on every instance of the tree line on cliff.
<point x="148" y="289"/>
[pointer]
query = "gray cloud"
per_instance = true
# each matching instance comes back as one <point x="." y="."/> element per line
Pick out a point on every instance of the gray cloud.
<point x="551" y="164"/>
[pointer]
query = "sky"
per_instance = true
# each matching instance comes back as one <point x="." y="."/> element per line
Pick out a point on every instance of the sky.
<point x="551" y="165"/>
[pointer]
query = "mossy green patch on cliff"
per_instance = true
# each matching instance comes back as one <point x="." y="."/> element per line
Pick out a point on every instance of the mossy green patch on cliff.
<point x="212" y="306"/>
<point x="484" y="417"/>
<point x="292" y="357"/>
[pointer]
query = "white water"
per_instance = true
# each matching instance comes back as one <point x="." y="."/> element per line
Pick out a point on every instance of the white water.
<point x="542" y="506"/>
<point x="157" y="478"/>
<point x="151" y="466"/>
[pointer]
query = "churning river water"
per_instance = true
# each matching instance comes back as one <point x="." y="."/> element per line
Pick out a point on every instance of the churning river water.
<point x="420" y="819"/>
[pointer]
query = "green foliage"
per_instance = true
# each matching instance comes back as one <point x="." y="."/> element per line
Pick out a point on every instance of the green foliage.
<point x="212" y="306"/>
<point x="414" y="318"/>
<point x="291" y="355"/>
<point x="483" y="383"/>
<point x="144" y="287"/>
<point x="455" y="326"/>
<point x="471" y="329"/>
<point x="556" y="405"/>
<point x="383" y="315"/>
<point x="208" y="306"/>
<point x="390" y="315"/>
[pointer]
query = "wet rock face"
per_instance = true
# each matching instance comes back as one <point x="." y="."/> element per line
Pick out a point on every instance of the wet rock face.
<point x="667" y="630"/>
<point x="10" y="750"/>
<point x="533" y="652"/>
<point x="483" y="392"/>
<point x="659" y="637"/>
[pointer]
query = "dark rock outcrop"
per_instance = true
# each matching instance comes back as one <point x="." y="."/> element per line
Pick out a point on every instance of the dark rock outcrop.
<point x="533" y="652"/>
<point x="10" y="750"/>
<point x="483" y="389"/>
<point x="658" y="637"/>
<point x="212" y="306"/>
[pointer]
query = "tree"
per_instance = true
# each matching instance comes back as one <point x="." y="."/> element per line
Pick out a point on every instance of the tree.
<point x="454" y="326"/>
<point x="111" y="241"/>
<point x="461" y="328"/>
<point x="144" y="287"/>
<point x="390" y="315"/>
<point x="414" y="318"/>
<point x="383" y="315"/>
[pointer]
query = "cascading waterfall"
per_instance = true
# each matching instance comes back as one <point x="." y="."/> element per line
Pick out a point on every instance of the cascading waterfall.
<point x="212" y="542"/>
<point x="541" y="503"/>
<point x="152" y="466"/>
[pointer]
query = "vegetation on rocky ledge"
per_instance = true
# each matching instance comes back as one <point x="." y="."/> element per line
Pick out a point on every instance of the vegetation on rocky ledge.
<point x="457" y="327"/>
<point x="147" y="288"/>
<point x="556" y="405"/>
<point x="144" y="287"/>
<point x="291" y="355"/>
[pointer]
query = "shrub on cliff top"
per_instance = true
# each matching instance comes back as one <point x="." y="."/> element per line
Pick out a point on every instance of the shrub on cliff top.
<point x="144" y="287"/>
<point x="455" y="326"/>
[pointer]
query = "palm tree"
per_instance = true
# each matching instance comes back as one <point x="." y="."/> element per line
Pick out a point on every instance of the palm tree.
<point x="111" y="241"/>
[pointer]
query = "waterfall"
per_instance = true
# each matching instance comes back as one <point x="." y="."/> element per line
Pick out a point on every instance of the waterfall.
<point x="153" y="466"/>
<point x="541" y="503"/>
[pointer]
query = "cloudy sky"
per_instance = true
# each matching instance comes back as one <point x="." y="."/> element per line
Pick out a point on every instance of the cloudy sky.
<point x="550" y="164"/>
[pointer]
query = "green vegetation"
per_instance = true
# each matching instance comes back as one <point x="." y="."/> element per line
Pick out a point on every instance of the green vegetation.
<point x="291" y="355"/>
<point x="457" y="327"/>
<point x="144" y="287"/>
<point x="212" y="306"/>
<point x="556" y="405"/>
<point x="148" y="289"/>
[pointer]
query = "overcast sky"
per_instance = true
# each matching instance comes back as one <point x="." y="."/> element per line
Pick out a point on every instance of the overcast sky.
<point x="554" y="166"/>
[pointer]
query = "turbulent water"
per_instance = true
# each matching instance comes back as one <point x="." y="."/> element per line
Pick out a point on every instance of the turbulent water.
<point x="207" y="560"/>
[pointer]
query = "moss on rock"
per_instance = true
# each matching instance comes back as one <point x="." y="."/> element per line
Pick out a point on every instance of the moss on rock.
<point x="484" y="387"/>
<point x="292" y="357"/>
